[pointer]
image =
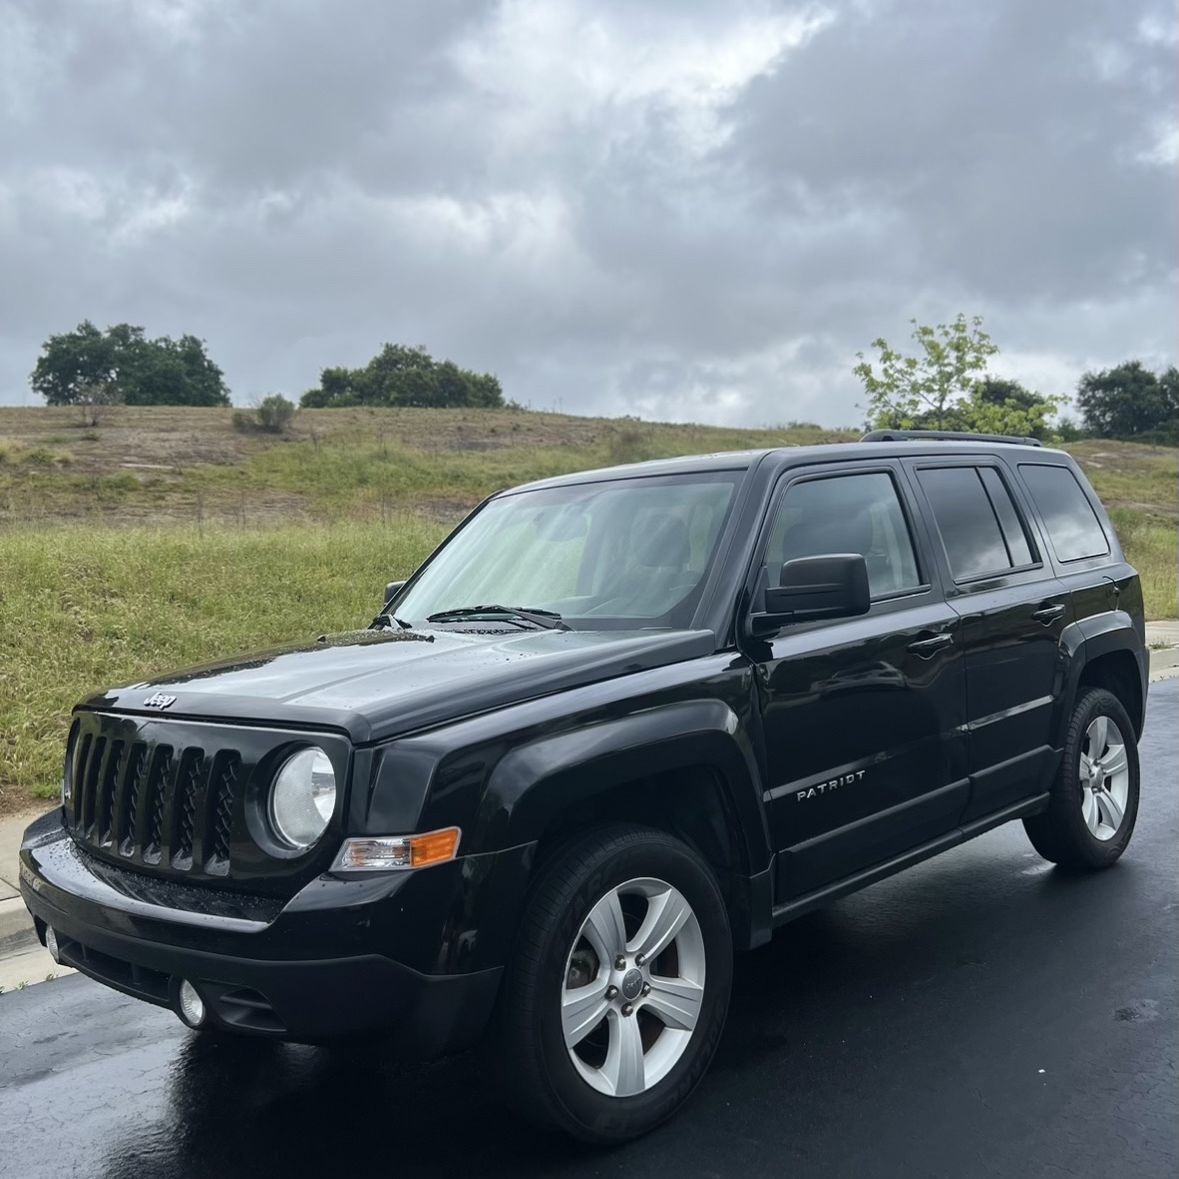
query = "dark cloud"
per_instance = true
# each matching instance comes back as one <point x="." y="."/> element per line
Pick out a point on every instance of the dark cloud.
<point x="679" y="209"/>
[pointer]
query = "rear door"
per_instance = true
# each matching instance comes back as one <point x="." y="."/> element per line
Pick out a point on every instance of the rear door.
<point x="1013" y="610"/>
<point x="860" y="717"/>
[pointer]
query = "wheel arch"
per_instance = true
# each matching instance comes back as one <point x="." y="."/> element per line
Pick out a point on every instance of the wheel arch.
<point x="684" y="768"/>
<point x="1110" y="655"/>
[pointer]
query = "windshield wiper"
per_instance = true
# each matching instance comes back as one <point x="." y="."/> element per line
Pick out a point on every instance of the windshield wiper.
<point x="546" y="619"/>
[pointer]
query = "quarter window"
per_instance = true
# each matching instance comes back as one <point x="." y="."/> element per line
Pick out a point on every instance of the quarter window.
<point x="847" y="514"/>
<point x="1068" y="515"/>
<point x="1018" y="547"/>
<point x="979" y="526"/>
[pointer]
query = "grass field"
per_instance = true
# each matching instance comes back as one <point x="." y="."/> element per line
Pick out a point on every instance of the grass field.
<point x="164" y="537"/>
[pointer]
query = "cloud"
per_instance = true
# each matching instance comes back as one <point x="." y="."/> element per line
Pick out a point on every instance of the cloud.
<point x="682" y="209"/>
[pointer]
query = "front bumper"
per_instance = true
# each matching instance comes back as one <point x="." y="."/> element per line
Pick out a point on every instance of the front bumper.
<point x="419" y="954"/>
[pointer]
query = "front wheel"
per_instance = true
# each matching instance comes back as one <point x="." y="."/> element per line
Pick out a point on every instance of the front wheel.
<point x="1094" y="799"/>
<point x="615" y="1003"/>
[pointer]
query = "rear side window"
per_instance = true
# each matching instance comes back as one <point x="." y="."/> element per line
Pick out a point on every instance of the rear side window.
<point x="847" y="514"/>
<point x="979" y="526"/>
<point x="1069" y="517"/>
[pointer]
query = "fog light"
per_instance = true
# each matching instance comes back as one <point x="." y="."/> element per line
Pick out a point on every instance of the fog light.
<point x="192" y="1006"/>
<point x="51" y="945"/>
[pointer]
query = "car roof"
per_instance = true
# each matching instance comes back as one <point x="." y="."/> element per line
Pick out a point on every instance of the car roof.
<point x="744" y="460"/>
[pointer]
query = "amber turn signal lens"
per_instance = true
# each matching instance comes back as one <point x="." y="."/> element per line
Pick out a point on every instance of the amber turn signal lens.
<point x="434" y="847"/>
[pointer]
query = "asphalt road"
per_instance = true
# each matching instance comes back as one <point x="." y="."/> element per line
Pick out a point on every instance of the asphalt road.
<point x="983" y="1014"/>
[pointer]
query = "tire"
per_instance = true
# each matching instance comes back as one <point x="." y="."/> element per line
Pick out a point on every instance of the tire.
<point x="1090" y="816"/>
<point x="564" y="935"/>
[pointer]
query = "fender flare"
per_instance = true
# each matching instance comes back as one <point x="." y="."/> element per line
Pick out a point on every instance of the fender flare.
<point x="1089" y="639"/>
<point x="533" y="785"/>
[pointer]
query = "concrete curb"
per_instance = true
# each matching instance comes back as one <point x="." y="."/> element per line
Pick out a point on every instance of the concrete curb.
<point x="16" y="927"/>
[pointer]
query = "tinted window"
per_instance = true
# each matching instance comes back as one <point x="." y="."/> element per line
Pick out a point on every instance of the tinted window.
<point x="1018" y="548"/>
<point x="1069" y="517"/>
<point x="846" y="514"/>
<point x="967" y="522"/>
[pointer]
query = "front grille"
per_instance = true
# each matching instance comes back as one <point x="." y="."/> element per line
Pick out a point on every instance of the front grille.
<point x="184" y="800"/>
<point x="152" y="804"/>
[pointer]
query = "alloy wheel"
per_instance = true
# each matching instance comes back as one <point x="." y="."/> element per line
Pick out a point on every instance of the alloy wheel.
<point x="633" y="988"/>
<point x="1105" y="778"/>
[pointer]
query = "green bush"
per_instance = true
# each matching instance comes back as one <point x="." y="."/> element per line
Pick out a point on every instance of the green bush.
<point x="275" y="413"/>
<point x="272" y="415"/>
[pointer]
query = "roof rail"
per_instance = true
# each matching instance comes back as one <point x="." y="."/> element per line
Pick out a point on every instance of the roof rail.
<point x="945" y="436"/>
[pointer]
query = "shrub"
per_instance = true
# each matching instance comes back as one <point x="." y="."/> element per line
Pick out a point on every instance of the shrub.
<point x="273" y="414"/>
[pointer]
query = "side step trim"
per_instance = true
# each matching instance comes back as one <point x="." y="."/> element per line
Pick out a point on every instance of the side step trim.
<point x="810" y="901"/>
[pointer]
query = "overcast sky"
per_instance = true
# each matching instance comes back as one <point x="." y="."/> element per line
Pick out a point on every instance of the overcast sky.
<point x="696" y="211"/>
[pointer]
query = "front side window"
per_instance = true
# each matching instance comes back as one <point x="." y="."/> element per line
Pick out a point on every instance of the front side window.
<point x="846" y="514"/>
<point x="1072" y="524"/>
<point x="622" y="552"/>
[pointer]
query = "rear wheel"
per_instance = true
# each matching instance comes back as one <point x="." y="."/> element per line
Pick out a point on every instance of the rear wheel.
<point x="1094" y="800"/>
<point x="615" y="1004"/>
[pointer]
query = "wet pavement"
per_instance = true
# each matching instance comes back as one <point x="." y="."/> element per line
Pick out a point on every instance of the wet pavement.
<point x="983" y="1014"/>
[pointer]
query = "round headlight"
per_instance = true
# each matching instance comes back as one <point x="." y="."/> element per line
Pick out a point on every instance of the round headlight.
<point x="303" y="797"/>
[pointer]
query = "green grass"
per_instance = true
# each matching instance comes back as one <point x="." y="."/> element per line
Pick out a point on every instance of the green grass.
<point x="346" y="467"/>
<point x="1152" y="547"/>
<point x="86" y="608"/>
<point x="1138" y="486"/>
<point x="163" y="537"/>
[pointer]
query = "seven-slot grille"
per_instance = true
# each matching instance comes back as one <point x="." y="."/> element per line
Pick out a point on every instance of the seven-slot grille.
<point x="154" y="804"/>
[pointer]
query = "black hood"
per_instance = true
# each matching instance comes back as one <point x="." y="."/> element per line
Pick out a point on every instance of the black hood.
<point x="373" y="685"/>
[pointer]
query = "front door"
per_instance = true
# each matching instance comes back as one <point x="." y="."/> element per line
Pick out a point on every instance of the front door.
<point x="860" y="717"/>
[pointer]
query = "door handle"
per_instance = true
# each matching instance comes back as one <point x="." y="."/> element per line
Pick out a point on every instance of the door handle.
<point x="1048" y="613"/>
<point x="927" y="648"/>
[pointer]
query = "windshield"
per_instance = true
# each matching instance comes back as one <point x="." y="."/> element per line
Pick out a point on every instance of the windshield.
<point x="620" y="553"/>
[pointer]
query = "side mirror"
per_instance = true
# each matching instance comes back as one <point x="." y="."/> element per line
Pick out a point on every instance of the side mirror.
<point x="831" y="586"/>
<point x="392" y="588"/>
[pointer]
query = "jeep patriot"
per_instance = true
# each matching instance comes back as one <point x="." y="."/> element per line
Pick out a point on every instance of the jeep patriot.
<point x="620" y="726"/>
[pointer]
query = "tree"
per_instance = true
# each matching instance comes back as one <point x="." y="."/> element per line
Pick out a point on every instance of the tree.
<point x="128" y="367"/>
<point x="926" y="386"/>
<point x="944" y="386"/>
<point x="998" y="391"/>
<point x="74" y="362"/>
<point x="401" y="375"/>
<point x="1025" y="414"/>
<point x="1129" y="401"/>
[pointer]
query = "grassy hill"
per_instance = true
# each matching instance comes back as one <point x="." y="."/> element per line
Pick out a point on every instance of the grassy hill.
<point x="166" y="536"/>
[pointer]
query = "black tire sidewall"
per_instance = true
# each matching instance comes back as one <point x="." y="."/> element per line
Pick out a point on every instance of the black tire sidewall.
<point x="585" y="1112"/>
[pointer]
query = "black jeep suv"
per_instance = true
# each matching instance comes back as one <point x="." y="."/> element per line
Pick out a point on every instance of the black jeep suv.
<point x="619" y="726"/>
